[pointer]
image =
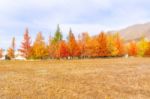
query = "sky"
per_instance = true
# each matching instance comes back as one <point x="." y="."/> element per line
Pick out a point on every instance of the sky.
<point x="90" y="16"/>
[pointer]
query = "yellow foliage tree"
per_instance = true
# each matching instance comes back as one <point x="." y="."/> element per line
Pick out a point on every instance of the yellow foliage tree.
<point x="142" y="46"/>
<point x="112" y="46"/>
<point x="39" y="47"/>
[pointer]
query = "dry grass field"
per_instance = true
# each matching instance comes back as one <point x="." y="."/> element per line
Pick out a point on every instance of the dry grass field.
<point x="117" y="78"/>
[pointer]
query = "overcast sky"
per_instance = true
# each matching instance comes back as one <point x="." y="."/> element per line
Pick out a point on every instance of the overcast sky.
<point x="90" y="16"/>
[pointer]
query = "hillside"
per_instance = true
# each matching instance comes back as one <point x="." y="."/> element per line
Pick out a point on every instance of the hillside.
<point x="135" y="32"/>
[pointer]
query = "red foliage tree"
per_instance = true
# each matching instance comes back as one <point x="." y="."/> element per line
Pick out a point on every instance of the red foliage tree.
<point x="63" y="48"/>
<point x="26" y="45"/>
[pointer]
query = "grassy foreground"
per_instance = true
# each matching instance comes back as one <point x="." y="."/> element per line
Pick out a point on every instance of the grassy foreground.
<point x="76" y="79"/>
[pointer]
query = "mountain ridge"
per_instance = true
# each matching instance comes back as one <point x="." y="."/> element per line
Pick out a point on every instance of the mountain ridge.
<point x="135" y="32"/>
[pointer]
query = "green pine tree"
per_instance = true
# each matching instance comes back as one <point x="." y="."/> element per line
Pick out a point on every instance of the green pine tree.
<point x="58" y="35"/>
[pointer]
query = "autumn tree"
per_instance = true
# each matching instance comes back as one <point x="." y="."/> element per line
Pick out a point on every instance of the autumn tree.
<point x="26" y="45"/>
<point x="39" y="47"/>
<point x="11" y="50"/>
<point x="119" y="45"/>
<point x="132" y="49"/>
<point x="112" y="48"/>
<point x="92" y="47"/>
<point x="102" y="48"/>
<point x="74" y="50"/>
<point x="63" y="49"/>
<point x="147" y="52"/>
<point x="84" y="39"/>
<point x="10" y="53"/>
<point x="54" y="43"/>
<point x="142" y="46"/>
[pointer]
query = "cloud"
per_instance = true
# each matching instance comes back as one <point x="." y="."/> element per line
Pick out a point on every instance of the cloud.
<point x="81" y="15"/>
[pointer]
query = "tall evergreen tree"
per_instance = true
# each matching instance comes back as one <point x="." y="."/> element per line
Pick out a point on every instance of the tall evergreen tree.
<point x="54" y="43"/>
<point x="58" y="35"/>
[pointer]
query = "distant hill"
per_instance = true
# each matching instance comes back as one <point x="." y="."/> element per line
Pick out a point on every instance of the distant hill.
<point x="135" y="32"/>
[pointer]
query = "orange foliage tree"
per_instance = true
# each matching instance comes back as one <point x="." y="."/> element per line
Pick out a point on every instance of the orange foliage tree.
<point x="26" y="45"/>
<point x="119" y="45"/>
<point x="11" y="50"/>
<point x="74" y="49"/>
<point x="132" y="49"/>
<point x="92" y="47"/>
<point x="53" y="47"/>
<point x="10" y="53"/>
<point x="63" y="49"/>
<point x="147" y="53"/>
<point x="102" y="47"/>
<point x="83" y="44"/>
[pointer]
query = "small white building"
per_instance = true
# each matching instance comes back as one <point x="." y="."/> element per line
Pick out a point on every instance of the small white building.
<point x="18" y="56"/>
<point x="4" y="52"/>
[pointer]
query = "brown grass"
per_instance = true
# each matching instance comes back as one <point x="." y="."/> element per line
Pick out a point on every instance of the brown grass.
<point x="76" y="79"/>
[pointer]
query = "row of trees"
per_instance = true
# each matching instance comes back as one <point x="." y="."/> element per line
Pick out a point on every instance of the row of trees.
<point x="102" y="45"/>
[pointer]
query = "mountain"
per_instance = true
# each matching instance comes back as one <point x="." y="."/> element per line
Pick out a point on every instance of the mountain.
<point x="135" y="32"/>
